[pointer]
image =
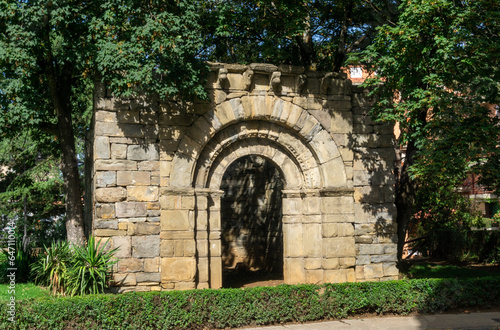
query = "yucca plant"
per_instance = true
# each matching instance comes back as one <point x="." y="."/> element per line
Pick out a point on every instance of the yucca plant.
<point x="90" y="269"/>
<point x="51" y="268"/>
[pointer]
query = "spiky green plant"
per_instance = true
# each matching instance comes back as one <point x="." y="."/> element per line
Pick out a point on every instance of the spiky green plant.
<point x="90" y="269"/>
<point x="51" y="268"/>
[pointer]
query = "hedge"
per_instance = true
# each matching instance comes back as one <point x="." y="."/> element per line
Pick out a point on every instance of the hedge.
<point x="200" y="309"/>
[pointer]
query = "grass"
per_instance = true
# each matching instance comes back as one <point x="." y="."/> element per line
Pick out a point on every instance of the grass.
<point x="441" y="270"/>
<point x="23" y="291"/>
<point x="416" y="271"/>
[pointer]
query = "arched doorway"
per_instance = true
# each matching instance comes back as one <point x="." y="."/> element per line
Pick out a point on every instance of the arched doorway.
<point x="251" y="222"/>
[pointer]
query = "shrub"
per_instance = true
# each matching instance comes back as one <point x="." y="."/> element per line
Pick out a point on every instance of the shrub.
<point x="90" y="268"/>
<point x="50" y="269"/>
<point x="199" y="309"/>
<point x="24" y="256"/>
<point x="75" y="269"/>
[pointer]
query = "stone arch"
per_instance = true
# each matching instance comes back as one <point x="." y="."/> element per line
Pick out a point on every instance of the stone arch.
<point x="286" y="121"/>
<point x="282" y="132"/>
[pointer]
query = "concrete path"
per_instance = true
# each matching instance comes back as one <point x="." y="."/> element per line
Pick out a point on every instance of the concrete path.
<point x="442" y="321"/>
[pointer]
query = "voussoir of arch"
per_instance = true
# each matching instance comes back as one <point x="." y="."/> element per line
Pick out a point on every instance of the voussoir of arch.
<point x="292" y="120"/>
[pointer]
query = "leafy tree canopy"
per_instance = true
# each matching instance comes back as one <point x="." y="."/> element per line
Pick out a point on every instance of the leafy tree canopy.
<point x="435" y="71"/>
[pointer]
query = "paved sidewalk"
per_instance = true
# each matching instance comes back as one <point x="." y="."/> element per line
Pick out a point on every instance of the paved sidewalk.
<point x="441" y="321"/>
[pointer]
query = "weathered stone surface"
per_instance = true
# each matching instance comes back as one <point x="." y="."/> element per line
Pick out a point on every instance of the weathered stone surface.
<point x="109" y="195"/>
<point x="131" y="209"/>
<point x="338" y="229"/>
<point x="145" y="228"/>
<point x="105" y="211"/>
<point x="178" y="269"/>
<point x="118" y="151"/>
<point x="124" y="246"/>
<point x="152" y="265"/>
<point x="142" y="193"/>
<point x="176" y="220"/>
<point x="159" y="167"/>
<point x="115" y="165"/>
<point x="136" y="178"/>
<point x="339" y="247"/>
<point x="143" y="152"/>
<point x="148" y="277"/>
<point x="105" y="179"/>
<point x="106" y="224"/>
<point x="124" y="279"/>
<point x="146" y="246"/>
<point x="130" y="265"/>
<point x="101" y="145"/>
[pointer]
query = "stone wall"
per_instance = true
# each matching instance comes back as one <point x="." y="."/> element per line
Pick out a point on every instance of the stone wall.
<point x="159" y="166"/>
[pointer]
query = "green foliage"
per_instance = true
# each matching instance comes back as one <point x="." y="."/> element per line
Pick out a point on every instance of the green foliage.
<point x="90" y="268"/>
<point x="436" y="68"/>
<point x="23" y="291"/>
<point x="23" y="258"/>
<point x="73" y="269"/>
<point x="52" y="266"/>
<point x="31" y="187"/>
<point x="300" y="33"/>
<point x="254" y="306"/>
<point x="425" y="270"/>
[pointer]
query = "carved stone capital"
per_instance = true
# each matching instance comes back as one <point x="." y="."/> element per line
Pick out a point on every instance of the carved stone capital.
<point x="275" y="85"/>
<point x="247" y="79"/>
<point x="223" y="79"/>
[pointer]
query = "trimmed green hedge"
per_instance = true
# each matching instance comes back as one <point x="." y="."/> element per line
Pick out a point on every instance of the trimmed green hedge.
<point x="198" y="309"/>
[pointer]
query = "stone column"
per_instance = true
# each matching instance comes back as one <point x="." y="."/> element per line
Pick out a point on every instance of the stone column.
<point x="312" y="236"/>
<point x="339" y="249"/>
<point x="178" y="245"/>
<point x="214" y="236"/>
<point x="201" y="237"/>
<point x="293" y="243"/>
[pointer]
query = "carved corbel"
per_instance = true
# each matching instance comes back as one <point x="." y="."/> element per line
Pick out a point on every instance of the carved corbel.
<point x="326" y="81"/>
<point x="275" y="85"/>
<point x="223" y="79"/>
<point x="247" y="79"/>
<point x="301" y="82"/>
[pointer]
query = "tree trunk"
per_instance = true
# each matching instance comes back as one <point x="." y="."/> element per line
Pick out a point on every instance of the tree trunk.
<point x="405" y="198"/>
<point x="60" y="90"/>
<point x="60" y="78"/>
<point x="406" y="187"/>
<point x="342" y="47"/>
<point x="71" y="177"/>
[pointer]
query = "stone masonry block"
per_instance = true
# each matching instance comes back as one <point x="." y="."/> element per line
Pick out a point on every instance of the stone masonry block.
<point x="178" y="269"/>
<point x="175" y="220"/>
<point x="118" y="151"/>
<point x="131" y="209"/>
<point x="115" y="165"/>
<point x="152" y="265"/>
<point x="146" y="246"/>
<point x="142" y="193"/>
<point x="124" y="279"/>
<point x="339" y="247"/>
<point x="102" y="147"/>
<point x="109" y="195"/>
<point x="143" y="152"/>
<point x="145" y="228"/>
<point x="130" y="265"/>
<point x="338" y="230"/>
<point x="105" y="211"/>
<point x="137" y="178"/>
<point x="124" y="246"/>
<point x="105" y="179"/>
<point x="312" y="240"/>
<point x="148" y="278"/>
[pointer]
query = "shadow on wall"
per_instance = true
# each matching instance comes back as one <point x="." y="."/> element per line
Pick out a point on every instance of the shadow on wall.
<point x="374" y="163"/>
<point x="251" y="214"/>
